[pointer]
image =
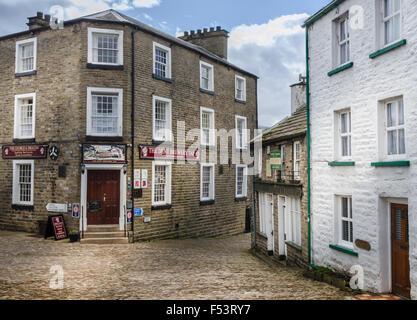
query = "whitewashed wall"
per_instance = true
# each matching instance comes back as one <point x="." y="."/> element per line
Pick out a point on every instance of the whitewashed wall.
<point x="360" y="88"/>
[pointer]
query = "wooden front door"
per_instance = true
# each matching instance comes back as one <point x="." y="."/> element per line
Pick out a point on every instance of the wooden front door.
<point x="103" y="197"/>
<point x="400" y="250"/>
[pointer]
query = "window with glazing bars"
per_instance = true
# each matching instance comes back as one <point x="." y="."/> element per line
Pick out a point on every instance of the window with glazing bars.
<point x="205" y="77"/>
<point x="26" y="117"/>
<point x="105" y="115"/>
<point x="240" y="181"/>
<point x="346" y="220"/>
<point x="105" y="48"/>
<point x="240" y="89"/>
<point x="161" y="63"/>
<point x="297" y="160"/>
<point x="25" y="183"/>
<point x="161" y="120"/>
<point x="345" y="134"/>
<point x="206" y="182"/>
<point x="240" y="133"/>
<point x="395" y="127"/>
<point x="160" y="184"/>
<point x="344" y="41"/>
<point x="392" y="20"/>
<point x="206" y="127"/>
<point x="26" y="57"/>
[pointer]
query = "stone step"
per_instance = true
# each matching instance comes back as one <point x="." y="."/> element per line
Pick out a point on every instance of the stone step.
<point x="105" y="241"/>
<point x="103" y="228"/>
<point x="118" y="234"/>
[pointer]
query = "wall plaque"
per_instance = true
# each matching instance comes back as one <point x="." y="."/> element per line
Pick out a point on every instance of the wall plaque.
<point x="95" y="153"/>
<point x="361" y="244"/>
<point x="24" y="152"/>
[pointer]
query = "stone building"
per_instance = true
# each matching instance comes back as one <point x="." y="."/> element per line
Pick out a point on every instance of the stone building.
<point x="281" y="187"/>
<point x="99" y="113"/>
<point x="362" y="102"/>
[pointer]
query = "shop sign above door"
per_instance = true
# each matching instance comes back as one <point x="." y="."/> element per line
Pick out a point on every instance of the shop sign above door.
<point x="96" y="153"/>
<point x="167" y="153"/>
<point x="24" y="152"/>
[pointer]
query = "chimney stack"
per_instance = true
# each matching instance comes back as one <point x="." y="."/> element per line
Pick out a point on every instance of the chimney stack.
<point x="38" y="21"/>
<point x="298" y="95"/>
<point x="213" y="39"/>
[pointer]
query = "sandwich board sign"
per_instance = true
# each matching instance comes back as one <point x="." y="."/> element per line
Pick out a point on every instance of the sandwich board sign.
<point x="56" y="227"/>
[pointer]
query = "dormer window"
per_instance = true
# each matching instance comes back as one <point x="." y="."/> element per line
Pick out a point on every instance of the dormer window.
<point x="105" y="47"/>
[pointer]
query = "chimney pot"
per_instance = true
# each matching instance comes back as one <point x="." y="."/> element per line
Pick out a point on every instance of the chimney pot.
<point x="211" y="29"/>
<point x="192" y="32"/>
<point x="47" y="17"/>
<point x="218" y="28"/>
<point x="185" y="33"/>
<point x="39" y="14"/>
<point x="199" y="31"/>
<point x="205" y="30"/>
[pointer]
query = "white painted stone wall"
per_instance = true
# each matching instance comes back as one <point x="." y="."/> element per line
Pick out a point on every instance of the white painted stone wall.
<point x="360" y="88"/>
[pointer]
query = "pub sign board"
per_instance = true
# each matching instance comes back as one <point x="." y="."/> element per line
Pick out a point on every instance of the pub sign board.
<point x="24" y="152"/>
<point x="97" y="153"/>
<point x="276" y="163"/>
<point x="168" y="153"/>
<point x="56" y="227"/>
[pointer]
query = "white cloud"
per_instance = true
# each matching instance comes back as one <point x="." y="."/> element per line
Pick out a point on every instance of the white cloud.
<point x="123" y="5"/>
<point x="147" y="17"/>
<point x="274" y="51"/>
<point x="178" y="32"/>
<point x="146" y="3"/>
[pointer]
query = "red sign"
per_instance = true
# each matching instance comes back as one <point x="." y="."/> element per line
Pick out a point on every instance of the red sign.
<point x="59" y="227"/>
<point x="166" y="153"/>
<point x="24" y="152"/>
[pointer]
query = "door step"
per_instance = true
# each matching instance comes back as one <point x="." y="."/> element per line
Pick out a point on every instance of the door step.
<point x="105" y="241"/>
<point x="104" y="234"/>
<point x="103" y="228"/>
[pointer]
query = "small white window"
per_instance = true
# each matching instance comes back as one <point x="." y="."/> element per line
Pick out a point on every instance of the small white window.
<point x="207" y="191"/>
<point x="395" y="127"/>
<point x="392" y="21"/>
<point x="345" y="217"/>
<point x="105" y="46"/>
<point x="23" y="177"/>
<point x="26" y="51"/>
<point x="240" y="88"/>
<point x="345" y="134"/>
<point x="292" y="220"/>
<point x="241" y="181"/>
<point x="207" y="127"/>
<point x="206" y="76"/>
<point x="104" y="112"/>
<point x="161" y="61"/>
<point x="241" y="132"/>
<point x="344" y="40"/>
<point x="24" y="116"/>
<point x="161" y="183"/>
<point x="297" y="160"/>
<point x="162" y="124"/>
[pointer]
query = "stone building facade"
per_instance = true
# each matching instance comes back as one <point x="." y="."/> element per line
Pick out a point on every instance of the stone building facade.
<point x="281" y="187"/>
<point x="117" y="100"/>
<point x="362" y="67"/>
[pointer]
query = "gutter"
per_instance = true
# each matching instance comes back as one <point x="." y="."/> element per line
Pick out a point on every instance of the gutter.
<point x="322" y="12"/>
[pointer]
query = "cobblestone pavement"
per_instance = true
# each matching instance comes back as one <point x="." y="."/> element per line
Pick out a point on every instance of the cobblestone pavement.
<point x="196" y="269"/>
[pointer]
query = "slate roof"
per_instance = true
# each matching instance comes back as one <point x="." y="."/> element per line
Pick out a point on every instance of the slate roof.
<point x="295" y="125"/>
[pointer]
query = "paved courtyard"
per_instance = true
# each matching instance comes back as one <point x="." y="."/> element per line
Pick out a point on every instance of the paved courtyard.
<point x="176" y="269"/>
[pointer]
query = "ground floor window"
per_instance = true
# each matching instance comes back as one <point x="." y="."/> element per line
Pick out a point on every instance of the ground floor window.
<point x="161" y="186"/>
<point x="345" y="220"/>
<point x="292" y="220"/>
<point x="23" y="176"/>
<point x="241" y="181"/>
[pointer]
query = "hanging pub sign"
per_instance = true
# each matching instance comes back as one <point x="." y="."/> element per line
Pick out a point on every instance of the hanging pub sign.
<point x="56" y="227"/>
<point x="276" y="163"/>
<point x="96" y="153"/>
<point x="168" y="153"/>
<point x="24" y="152"/>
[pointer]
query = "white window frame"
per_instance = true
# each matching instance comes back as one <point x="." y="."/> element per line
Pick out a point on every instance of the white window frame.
<point x="168" y="188"/>
<point x="17" y="115"/>
<point x="385" y="19"/>
<point x="18" y="64"/>
<point x="292" y="220"/>
<point x="244" y="88"/>
<point x="245" y="181"/>
<point x="119" y="92"/>
<point x="244" y="145"/>
<point x="212" y="133"/>
<point x="340" y="219"/>
<point x="347" y="134"/>
<point x="169" y="135"/>
<point x="397" y="128"/>
<point x="346" y="41"/>
<point x="15" y="191"/>
<point x="212" y="181"/>
<point x="157" y="45"/>
<point x="297" y="176"/>
<point x="211" y="76"/>
<point x="90" y="57"/>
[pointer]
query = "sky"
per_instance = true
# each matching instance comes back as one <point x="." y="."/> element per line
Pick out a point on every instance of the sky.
<point x="266" y="37"/>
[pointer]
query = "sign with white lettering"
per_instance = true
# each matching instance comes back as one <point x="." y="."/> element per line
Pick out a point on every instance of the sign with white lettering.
<point x="167" y="153"/>
<point x="57" y="207"/>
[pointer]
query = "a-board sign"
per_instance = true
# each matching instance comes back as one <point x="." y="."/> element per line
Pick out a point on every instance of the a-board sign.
<point x="56" y="227"/>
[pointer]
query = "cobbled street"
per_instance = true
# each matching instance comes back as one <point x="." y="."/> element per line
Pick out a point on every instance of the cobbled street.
<point x="196" y="269"/>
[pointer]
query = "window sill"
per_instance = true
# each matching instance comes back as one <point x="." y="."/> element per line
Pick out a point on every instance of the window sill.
<point x="161" y="207"/>
<point x="24" y="74"/>
<point x="240" y="101"/>
<point x="158" y="143"/>
<point x="391" y="164"/>
<point x="388" y="49"/>
<point x="161" y="78"/>
<point x="30" y="140"/>
<point x="97" y="138"/>
<point x="22" y="207"/>
<point x="293" y="245"/>
<point x="241" y="199"/>
<point x="207" y="91"/>
<point x="340" y="69"/>
<point x="207" y="202"/>
<point x="207" y="147"/>
<point x="104" y="66"/>
<point x="344" y="250"/>
<point x="341" y="164"/>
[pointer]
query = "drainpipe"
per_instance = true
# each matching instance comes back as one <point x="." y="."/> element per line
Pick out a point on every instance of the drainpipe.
<point x="133" y="127"/>
<point x="253" y="178"/>
<point x="308" y="150"/>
